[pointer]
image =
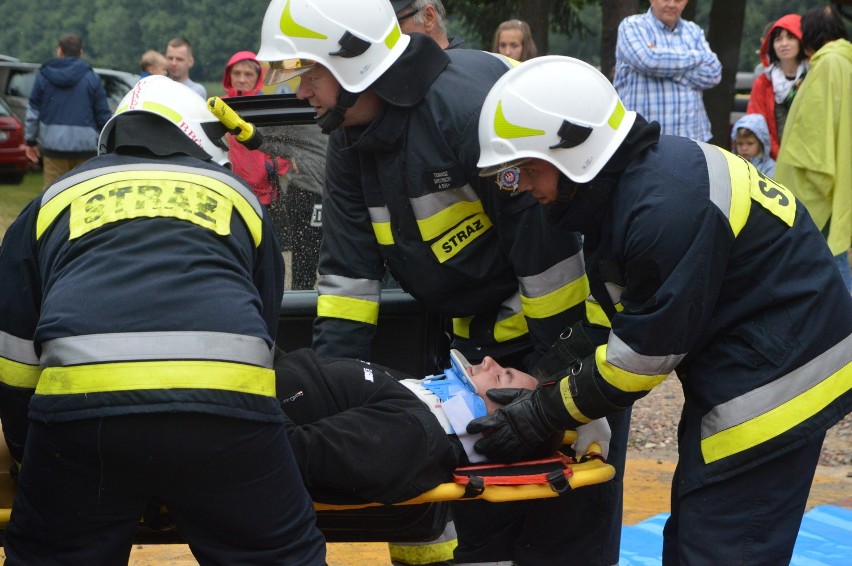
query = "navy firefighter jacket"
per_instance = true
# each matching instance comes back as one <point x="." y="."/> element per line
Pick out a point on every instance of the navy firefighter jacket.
<point x="404" y="193"/>
<point x="138" y="285"/>
<point x="719" y="274"/>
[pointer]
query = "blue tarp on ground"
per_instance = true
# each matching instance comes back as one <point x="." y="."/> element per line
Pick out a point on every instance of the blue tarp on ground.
<point x="825" y="539"/>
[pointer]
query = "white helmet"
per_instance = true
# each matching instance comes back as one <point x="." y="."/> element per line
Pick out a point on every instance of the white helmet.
<point x="180" y="105"/>
<point x="554" y="108"/>
<point x="356" y="41"/>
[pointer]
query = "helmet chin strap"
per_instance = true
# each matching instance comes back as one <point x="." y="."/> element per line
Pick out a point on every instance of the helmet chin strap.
<point x="332" y="119"/>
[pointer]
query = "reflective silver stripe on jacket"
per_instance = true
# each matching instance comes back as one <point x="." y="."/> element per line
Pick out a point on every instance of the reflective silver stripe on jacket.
<point x="78" y="178"/>
<point x="776" y="393"/>
<point x="555" y="277"/>
<point x="719" y="176"/>
<point x="151" y="346"/>
<point x="510" y="307"/>
<point x="428" y="205"/>
<point x="17" y="349"/>
<point x="379" y="214"/>
<point x="367" y="289"/>
<point x="624" y="357"/>
<point x="614" y="292"/>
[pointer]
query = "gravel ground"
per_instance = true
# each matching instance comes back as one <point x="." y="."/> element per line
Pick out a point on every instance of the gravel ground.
<point x="653" y="428"/>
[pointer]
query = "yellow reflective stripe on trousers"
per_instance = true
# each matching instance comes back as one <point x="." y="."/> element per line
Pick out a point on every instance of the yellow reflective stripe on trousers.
<point x="137" y="180"/>
<point x="348" y="308"/>
<point x="135" y="376"/>
<point x="16" y="374"/>
<point x="773" y="409"/>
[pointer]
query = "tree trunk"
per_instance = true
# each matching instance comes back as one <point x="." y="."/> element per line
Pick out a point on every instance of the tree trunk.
<point x="726" y="28"/>
<point x="612" y="12"/>
<point x="689" y="10"/>
<point x="537" y="14"/>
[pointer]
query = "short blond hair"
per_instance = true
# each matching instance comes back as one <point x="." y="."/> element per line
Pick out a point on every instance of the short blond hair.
<point x="151" y="58"/>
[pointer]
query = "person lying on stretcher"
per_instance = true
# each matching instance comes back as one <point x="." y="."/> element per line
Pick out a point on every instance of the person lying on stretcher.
<point x="366" y="433"/>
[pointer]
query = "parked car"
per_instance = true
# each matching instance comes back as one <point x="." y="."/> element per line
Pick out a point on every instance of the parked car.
<point x="17" y="79"/>
<point x="13" y="157"/>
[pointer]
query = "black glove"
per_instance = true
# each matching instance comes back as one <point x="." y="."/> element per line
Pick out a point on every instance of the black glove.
<point x="518" y="431"/>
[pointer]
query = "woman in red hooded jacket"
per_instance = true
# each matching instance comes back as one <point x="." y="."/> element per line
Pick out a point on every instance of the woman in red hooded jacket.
<point x="785" y="66"/>
<point x="244" y="77"/>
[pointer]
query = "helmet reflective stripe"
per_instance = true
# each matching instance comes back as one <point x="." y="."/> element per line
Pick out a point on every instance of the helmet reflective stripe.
<point x="355" y="41"/>
<point x="617" y="116"/>
<point x="156" y="108"/>
<point x="505" y="129"/>
<point x="554" y="108"/>
<point x="290" y="27"/>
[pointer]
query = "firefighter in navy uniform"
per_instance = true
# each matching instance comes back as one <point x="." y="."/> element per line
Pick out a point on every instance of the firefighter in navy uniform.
<point x="701" y="265"/>
<point x="403" y="194"/>
<point x="139" y="301"/>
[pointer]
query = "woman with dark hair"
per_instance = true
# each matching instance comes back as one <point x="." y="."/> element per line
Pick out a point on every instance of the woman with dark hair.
<point x="784" y="65"/>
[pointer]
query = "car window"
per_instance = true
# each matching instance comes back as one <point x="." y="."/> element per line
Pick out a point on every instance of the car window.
<point x="115" y="88"/>
<point x="21" y="82"/>
<point x="5" y="111"/>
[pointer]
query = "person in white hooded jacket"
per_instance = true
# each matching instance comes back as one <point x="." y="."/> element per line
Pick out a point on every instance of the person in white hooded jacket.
<point x="750" y="140"/>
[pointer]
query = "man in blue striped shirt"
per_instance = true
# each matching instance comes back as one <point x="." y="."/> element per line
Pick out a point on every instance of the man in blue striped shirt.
<point x="662" y="65"/>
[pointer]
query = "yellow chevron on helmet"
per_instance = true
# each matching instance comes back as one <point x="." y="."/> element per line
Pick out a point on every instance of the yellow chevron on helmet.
<point x="356" y="41"/>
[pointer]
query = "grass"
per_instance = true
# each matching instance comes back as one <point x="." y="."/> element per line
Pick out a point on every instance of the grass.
<point x="13" y="198"/>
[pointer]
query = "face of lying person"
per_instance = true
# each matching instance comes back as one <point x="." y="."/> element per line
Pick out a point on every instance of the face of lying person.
<point x="491" y="375"/>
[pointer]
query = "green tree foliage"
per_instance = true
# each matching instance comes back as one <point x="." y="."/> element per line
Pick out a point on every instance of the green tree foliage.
<point x="117" y="32"/>
<point x="479" y="18"/>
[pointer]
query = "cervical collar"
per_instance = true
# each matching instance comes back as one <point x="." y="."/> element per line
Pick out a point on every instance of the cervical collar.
<point x="455" y="384"/>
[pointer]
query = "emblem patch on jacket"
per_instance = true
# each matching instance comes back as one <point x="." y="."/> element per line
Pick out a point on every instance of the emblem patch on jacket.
<point x="508" y="180"/>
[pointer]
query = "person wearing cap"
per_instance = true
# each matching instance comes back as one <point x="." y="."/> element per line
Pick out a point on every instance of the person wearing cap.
<point x="702" y="266"/>
<point x="139" y="304"/>
<point x="403" y="194"/>
<point x="426" y="17"/>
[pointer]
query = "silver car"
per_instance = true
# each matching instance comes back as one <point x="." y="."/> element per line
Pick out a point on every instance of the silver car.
<point x="17" y="79"/>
